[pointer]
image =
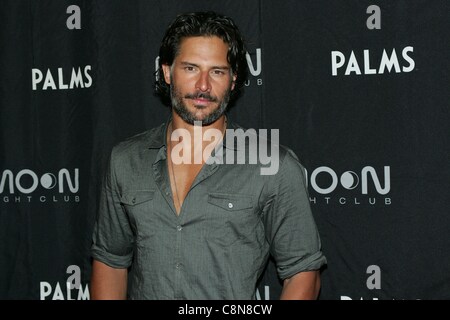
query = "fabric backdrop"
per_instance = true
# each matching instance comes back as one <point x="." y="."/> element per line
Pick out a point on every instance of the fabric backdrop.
<point x="358" y="89"/>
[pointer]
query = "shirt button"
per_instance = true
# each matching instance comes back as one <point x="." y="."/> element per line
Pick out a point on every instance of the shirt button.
<point x="230" y="205"/>
<point x="178" y="265"/>
<point x="133" y="200"/>
<point x="179" y="228"/>
<point x="167" y="193"/>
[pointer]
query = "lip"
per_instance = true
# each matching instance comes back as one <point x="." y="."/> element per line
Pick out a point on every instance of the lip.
<point x="202" y="102"/>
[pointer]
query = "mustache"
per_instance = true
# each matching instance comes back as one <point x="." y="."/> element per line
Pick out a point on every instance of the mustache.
<point x="201" y="95"/>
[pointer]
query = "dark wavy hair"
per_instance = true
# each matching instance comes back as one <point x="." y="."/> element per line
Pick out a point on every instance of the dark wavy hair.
<point x="198" y="24"/>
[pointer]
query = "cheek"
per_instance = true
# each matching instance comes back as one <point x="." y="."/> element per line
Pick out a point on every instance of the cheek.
<point x="224" y="88"/>
<point x="183" y="82"/>
<point x="183" y="88"/>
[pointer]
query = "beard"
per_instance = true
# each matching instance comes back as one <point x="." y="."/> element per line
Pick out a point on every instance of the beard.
<point x="181" y="109"/>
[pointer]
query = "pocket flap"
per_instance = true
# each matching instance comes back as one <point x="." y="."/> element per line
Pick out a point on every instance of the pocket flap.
<point x="132" y="198"/>
<point x="230" y="202"/>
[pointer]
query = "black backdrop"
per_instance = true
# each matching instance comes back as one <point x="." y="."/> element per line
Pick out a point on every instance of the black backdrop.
<point x="360" y="93"/>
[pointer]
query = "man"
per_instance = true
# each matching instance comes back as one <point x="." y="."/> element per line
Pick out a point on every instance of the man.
<point x="191" y="229"/>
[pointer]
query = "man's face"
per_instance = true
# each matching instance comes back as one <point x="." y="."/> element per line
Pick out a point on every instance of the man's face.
<point x="200" y="79"/>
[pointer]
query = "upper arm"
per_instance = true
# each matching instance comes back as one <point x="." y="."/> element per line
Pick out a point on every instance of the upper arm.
<point x="289" y="223"/>
<point x="113" y="238"/>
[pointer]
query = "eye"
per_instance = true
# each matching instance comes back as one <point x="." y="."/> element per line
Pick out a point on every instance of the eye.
<point x="218" y="72"/>
<point x="189" y="68"/>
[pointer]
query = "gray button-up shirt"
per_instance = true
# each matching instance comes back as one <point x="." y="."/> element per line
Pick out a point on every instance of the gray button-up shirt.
<point x="216" y="248"/>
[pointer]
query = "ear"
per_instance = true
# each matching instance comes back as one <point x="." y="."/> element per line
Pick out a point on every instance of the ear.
<point x="166" y="71"/>
<point x="233" y="82"/>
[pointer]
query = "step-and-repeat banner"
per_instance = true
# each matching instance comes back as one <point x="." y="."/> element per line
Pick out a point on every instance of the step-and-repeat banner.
<point x="358" y="89"/>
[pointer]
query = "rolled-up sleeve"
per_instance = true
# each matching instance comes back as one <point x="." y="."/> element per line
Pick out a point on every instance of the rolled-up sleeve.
<point x="289" y="223"/>
<point x="113" y="236"/>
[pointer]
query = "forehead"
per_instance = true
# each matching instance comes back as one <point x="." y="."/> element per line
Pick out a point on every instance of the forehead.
<point x="203" y="48"/>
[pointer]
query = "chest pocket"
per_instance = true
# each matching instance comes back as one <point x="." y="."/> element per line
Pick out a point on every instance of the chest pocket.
<point x="138" y="205"/>
<point x="231" y="217"/>
<point x="230" y="202"/>
<point x="132" y="198"/>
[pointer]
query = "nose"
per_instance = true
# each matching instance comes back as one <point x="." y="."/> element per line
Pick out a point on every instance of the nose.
<point x="203" y="82"/>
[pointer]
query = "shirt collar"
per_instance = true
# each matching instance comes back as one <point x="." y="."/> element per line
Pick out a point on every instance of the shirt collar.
<point x="230" y="126"/>
<point x="158" y="140"/>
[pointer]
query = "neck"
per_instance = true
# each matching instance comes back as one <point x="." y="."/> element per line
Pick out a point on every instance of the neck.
<point x="179" y="129"/>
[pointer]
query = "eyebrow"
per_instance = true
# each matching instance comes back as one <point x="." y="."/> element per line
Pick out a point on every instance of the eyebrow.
<point x="186" y="63"/>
